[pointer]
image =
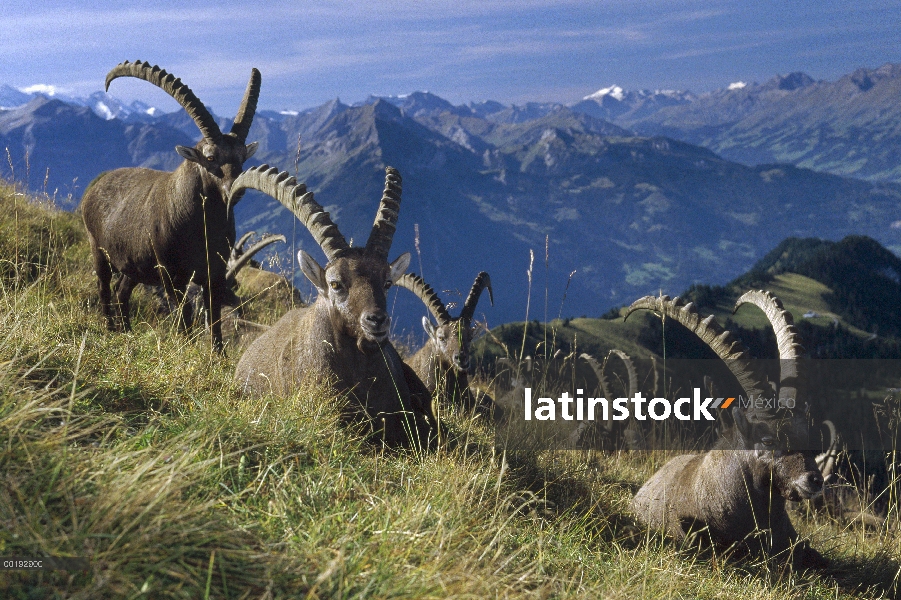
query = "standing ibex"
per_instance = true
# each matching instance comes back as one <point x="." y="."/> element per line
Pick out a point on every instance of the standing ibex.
<point x="739" y="489"/>
<point x="170" y="228"/>
<point x="342" y="338"/>
<point x="443" y="362"/>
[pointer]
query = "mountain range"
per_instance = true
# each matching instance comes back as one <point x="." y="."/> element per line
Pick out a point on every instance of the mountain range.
<point x="851" y="126"/>
<point x="486" y="184"/>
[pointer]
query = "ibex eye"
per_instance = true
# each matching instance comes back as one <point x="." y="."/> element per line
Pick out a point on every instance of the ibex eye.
<point x="768" y="440"/>
<point x="335" y="285"/>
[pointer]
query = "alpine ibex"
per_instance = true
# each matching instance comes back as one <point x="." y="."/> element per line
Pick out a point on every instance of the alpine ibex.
<point x="443" y="362"/>
<point x="508" y="400"/>
<point x="739" y="489"/>
<point x="170" y="228"/>
<point x="242" y="273"/>
<point x="631" y="435"/>
<point x="342" y="338"/>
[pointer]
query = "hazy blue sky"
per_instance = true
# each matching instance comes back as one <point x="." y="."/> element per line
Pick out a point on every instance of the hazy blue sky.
<point x="462" y="50"/>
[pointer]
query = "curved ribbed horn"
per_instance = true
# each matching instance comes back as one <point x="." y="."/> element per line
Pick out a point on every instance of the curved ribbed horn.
<point x="632" y="433"/>
<point x="721" y="341"/>
<point x="424" y="292"/>
<point x="379" y="242"/>
<point x="630" y="370"/>
<point x="482" y="282"/>
<point x="248" y="108"/>
<point x="575" y="438"/>
<point x="826" y="460"/>
<point x="238" y="248"/>
<point x="787" y="338"/>
<point x="241" y="258"/>
<point x="175" y="88"/>
<point x="294" y="196"/>
<point x="598" y="369"/>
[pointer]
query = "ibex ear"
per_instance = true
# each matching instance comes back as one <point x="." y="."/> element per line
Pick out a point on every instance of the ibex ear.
<point x="399" y="267"/>
<point x="313" y="271"/>
<point x="191" y="154"/>
<point x="429" y="328"/>
<point x="250" y="149"/>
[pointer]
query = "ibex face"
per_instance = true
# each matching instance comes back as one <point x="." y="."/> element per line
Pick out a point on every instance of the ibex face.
<point x="223" y="159"/>
<point x="780" y="453"/>
<point x="354" y="287"/>
<point x="452" y="340"/>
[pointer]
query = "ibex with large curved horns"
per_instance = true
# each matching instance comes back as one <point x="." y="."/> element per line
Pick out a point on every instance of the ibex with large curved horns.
<point x="342" y="337"/>
<point x="170" y="228"/>
<point x="443" y="362"/>
<point x="738" y="490"/>
<point x="241" y="271"/>
<point x="632" y="435"/>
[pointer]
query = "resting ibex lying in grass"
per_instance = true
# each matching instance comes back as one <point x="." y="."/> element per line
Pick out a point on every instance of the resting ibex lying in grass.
<point x="242" y="274"/>
<point x="443" y="362"/>
<point x="738" y="490"/>
<point x="246" y="276"/>
<point x="170" y="228"/>
<point x="342" y="338"/>
<point x="631" y="435"/>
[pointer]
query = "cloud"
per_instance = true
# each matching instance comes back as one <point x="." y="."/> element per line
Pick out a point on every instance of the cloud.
<point x="41" y="88"/>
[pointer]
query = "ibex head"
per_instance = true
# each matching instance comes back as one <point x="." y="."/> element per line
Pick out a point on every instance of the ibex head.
<point x="354" y="281"/>
<point x="451" y="337"/>
<point x="779" y="452"/>
<point x="222" y="156"/>
<point x="781" y="442"/>
<point x="354" y="287"/>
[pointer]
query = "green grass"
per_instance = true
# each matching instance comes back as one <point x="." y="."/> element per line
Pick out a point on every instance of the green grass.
<point x="137" y="451"/>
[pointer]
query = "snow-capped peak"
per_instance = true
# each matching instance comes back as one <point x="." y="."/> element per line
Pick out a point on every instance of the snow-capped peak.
<point x="737" y="85"/>
<point x="614" y="91"/>
<point x="103" y="111"/>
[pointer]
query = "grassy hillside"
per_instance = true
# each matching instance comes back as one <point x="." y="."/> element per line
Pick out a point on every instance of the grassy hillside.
<point x="842" y="295"/>
<point x="137" y="451"/>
